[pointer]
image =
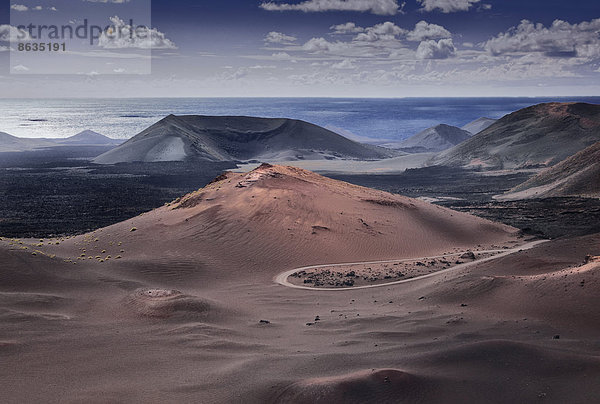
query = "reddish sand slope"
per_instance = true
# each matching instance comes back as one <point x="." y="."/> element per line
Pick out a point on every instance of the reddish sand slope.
<point x="171" y="309"/>
<point x="286" y="216"/>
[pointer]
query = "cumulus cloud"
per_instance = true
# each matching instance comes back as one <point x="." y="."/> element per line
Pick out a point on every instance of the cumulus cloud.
<point x="20" y="68"/>
<point x="19" y="7"/>
<point x="385" y="41"/>
<point x="278" y="37"/>
<point x="561" y="39"/>
<point x="118" y="36"/>
<point x="424" y="31"/>
<point x="262" y="67"/>
<point x="430" y="49"/>
<point x="347" y="28"/>
<point x="281" y="56"/>
<point x="345" y="64"/>
<point x="380" y="7"/>
<point x="9" y="33"/>
<point x="385" y="31"/>
<point x="318" y="45"/>
<point x="447" y="6"/>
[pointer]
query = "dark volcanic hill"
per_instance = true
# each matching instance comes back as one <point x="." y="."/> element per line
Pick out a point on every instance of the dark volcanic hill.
<point x="89" y="137"/>
<point x="578" y="175"/>
<point x="434" y="139"/>
<point x="9" y="143"/>
<point x="478" y="125"/>
<point x="226" y="138"/>
<point x="538" y="136"/>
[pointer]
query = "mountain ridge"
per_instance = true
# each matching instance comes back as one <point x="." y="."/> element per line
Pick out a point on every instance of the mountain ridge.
<point x="434" y="139"/>
<point x="230" y="138"/>
<point x="537" y="136"/>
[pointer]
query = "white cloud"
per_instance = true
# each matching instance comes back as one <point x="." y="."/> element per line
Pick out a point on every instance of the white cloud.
<point x="19" y="7"/>
<point x="347" y="28"/>
<point x="21" y="68"/>
<point x="262" y="67"/>
<point x="318" y="45"/>
<point x="430" y="49"/>
<point x="385" y="31"/>
<point x="9" y="33"/>
<point x="380" y="7"/>
<point x="118" y="36"/>
<point x="281" y="56"/>
<point x="278" y="37"/>
<point x="119" y="70"/>
<point x="4" y="48"/>
<point x="447" y="6"/>
<point x="560" y="39"/>
<point x="424" y="31"/>
<point x="345" y="64"/>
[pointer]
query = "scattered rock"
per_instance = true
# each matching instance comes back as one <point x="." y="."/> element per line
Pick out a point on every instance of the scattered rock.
<point x="264" y="322"/>
<point x="468" y="255"/>
<point x="556" y="337"/>
<point x="348" y="282"/>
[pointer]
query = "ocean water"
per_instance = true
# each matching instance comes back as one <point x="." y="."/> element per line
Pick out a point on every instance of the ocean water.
<point x="379" y="119"/>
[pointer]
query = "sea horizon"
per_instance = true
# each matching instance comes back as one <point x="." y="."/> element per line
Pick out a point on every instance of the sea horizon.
<point x="363" y="119"/>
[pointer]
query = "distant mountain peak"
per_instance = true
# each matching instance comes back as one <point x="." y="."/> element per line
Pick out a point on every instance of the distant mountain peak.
<point x="89" y="137"/>
<point x="434" y="139"/>
<point x="537" y="136"/>
<point x="478" y="125"/>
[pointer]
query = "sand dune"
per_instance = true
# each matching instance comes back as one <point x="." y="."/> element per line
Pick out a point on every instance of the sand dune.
<point x="223" y="138"/>
<point x="179" y="305"/>
<point x="578" y="175"/>
<point x="288" y="213"/>
<point x="369" y="386"/>
<point x="537" y="136"/>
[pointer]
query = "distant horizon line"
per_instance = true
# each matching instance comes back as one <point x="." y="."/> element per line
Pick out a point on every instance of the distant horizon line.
<point x="300" y="97"/>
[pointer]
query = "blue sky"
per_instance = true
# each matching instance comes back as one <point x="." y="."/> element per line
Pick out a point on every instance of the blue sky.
<point x="354" y="48"/>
